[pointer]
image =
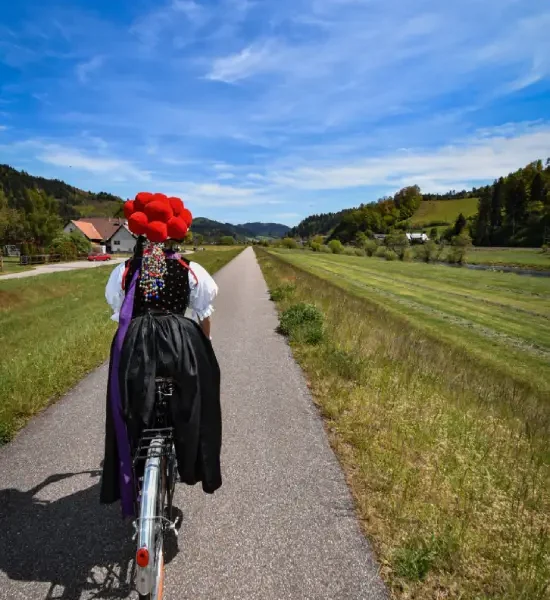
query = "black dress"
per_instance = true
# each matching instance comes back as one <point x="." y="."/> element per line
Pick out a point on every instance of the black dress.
<point x="162" y="342"/>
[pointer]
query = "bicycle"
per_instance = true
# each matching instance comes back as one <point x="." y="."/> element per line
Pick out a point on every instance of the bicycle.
<point x="155" y="472"/>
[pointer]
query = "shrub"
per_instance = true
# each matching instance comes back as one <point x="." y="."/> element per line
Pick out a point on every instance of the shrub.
<point x="427" y="252"/>
<point x="359" y="252"/>
<point x="283" y="291"/>
<point x="408" y="255"/>
<point x="460" y="246"/>
<point x="302" y="323"/>
<point x="381" y="252"/>
<point x="545" y="248"/>
<point x="290" y="243"/>
<point x="336" y="246"/>
<point x="324" y="248"/>
<point x="370" y="247"/>
<point x="315" y="247"/>
<point x="391" y="255"/>
<point x="227" y="240"/>
<point x="397" y="242"/>
<point x="349" y="251"/>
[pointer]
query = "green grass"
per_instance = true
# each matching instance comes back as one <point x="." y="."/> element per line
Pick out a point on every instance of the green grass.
<point x="445" y="448"/>
<point x="443" y="210"/>
<point x="500" y="318"/>
<point x="53" y="330"/>
<point x="11" y="265"/>
<point x="528" y="258"/>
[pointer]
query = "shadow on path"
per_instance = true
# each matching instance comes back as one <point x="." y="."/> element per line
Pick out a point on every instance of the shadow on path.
<point x="82" y="549"/>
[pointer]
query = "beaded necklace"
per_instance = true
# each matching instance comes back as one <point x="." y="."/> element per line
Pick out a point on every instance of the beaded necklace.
<point x="153" y="269"/>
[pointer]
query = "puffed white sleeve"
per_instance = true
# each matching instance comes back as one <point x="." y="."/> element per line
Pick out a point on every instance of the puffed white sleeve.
<point x="114" y="294"/>
<point x="203" y="291"/>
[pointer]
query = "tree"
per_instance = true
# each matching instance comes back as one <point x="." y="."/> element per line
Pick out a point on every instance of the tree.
<point x="227" y="240"/>
<point x="336" y="246"/>
<point x="460" y="224"/>
<point x="537" y="195"/>
<point x="482" y="221"/>
<point x="407" y="201"/>
<point x="290" y="243"/>
<point x="198" y="239"/>
<point x="515" y="201"/>
<point x="434" y="236"/>
<point x="81" y="243"/>
<point x="496" y="206"/>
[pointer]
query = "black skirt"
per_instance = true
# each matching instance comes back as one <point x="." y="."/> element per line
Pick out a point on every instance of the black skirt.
<point x="168" y="345"/>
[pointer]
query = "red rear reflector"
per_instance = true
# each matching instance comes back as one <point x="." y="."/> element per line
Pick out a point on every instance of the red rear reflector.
<point x="142" y="557"/>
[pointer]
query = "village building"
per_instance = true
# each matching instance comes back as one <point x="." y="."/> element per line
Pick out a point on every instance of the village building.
<point x="112" y="234"/>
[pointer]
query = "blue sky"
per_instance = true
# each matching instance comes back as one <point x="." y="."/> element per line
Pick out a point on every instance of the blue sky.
<point x="254" y="110"/>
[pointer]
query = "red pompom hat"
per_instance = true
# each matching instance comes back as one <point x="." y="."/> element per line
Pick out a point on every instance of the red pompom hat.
<point x="157" y="217"/>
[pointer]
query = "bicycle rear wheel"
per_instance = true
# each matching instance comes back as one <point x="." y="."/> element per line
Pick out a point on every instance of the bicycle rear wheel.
<point x="150" y="553"/>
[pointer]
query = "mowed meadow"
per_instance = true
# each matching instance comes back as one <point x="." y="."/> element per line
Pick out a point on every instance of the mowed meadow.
<point x="435" y="385"/>
<point x="54" y="329"/>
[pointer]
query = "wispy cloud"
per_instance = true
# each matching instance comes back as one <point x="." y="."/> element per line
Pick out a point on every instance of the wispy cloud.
<point x="85" y="69"/>
<point x="309" y="103"/>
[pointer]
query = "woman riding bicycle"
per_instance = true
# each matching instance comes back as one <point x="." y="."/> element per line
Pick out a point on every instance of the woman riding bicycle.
<point x="150" y="294"/>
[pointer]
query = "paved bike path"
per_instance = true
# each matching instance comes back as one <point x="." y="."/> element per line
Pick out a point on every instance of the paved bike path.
<point x="282" y="526"/>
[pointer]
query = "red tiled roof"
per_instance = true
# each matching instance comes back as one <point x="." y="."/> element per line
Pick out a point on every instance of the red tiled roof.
<point x="88" y="230"/>
<point x="105" y="226"/>
<point x="99" y="228"/>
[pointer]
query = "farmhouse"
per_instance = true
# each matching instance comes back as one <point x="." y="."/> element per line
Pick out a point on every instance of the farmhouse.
<point x="111" y="233"/>
<point x="417" y="238"/>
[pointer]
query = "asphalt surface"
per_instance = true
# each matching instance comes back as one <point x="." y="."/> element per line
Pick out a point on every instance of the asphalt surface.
<point x="281" y="527"/>
<point x="59" y="268"/>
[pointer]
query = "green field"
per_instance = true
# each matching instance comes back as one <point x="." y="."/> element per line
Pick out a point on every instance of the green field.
<point x="529" y="258"/>
<point x="53" y="330"/>
<point x="443" y="210"/>
<point x="11" y="265"/>
<point x="435" y="385"/>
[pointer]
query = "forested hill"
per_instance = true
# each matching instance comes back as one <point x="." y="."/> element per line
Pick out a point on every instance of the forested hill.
<point x="71" y="201"/>
<point x="212" y="230"/>
<point x="513" y="211"/>
<point x="319" y="224"/>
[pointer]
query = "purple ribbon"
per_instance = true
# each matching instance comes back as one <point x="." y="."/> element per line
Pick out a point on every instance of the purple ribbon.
<point x="127" y="489"/>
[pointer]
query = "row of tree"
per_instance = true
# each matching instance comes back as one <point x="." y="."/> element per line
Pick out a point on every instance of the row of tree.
<point x="513" y="211"/>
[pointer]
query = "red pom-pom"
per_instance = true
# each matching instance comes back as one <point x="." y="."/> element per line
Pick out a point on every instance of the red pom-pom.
<point x="159" y="198"/>
<point x="177" y="205"/>
<point x="137" y="223"/>
<point x="129" y="208"/>
<point x="142" y="199"/>
<point x="159" y="211"/>
<point x="186" y="216"/>
<point x="157" y="232"/>
<point x="177" y="228"/>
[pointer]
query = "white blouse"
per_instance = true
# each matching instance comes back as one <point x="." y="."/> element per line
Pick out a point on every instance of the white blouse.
<point x="203" y="290"/>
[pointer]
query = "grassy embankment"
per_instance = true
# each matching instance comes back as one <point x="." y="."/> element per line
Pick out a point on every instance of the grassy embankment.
<point x="53" y="330"/>
<point x="434" y="383"/>
<point x="526" y="258"/>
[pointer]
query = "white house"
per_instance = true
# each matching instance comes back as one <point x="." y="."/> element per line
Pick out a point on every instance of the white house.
<point x="123" y="240"/>
<point x="417" y="238"/>
<point x="111" y="233"/>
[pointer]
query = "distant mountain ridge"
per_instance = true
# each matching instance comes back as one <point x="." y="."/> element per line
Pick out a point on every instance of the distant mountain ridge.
<point x="214" y="229"/>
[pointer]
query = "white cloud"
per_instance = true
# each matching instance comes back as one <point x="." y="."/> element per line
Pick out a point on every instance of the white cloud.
<point x="114" y="169"/>
<point x="246" y="63"/>
<point x="479" y="159"/>
<point x="85" y="69"/>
